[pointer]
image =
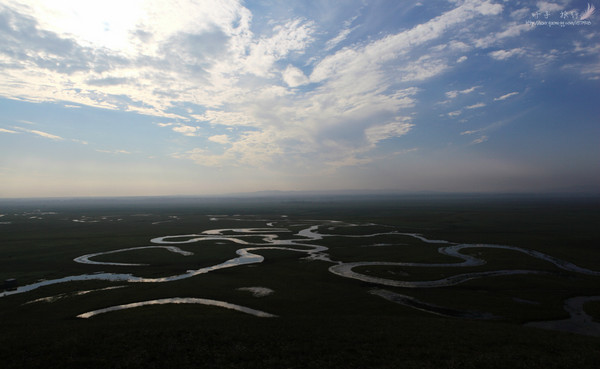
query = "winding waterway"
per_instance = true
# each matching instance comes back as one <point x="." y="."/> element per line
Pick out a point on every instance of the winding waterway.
<point x="179" y="300"/>
<point x="303" y="242"/>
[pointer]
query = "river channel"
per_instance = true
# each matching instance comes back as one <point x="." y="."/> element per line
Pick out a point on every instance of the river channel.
<point x="303" y="242"/>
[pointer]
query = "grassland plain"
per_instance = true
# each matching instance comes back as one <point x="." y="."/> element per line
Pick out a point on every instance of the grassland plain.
<point x="324" y="320"/>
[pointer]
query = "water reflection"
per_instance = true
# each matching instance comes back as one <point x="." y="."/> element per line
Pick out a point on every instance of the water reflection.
<point x="179" y="300"/>
<point x="346" y="269"/>
<point x="429" y="308"/>
<point x="578" y="322"/>
<point x="85" y="259"/>
<point x="65" y="295"/>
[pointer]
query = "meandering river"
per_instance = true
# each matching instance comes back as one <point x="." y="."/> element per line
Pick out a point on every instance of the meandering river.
<point x="304" y="242"/>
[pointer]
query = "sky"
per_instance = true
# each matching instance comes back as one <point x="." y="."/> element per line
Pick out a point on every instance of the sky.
<point x="182" y="97"/>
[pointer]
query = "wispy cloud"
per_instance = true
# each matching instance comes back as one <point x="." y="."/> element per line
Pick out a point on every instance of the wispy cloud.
<point x="479" y="140"/>
<point x="40" y="133"/>
<point x="222" y="139"/>
<point x="453" y="94"/>
<point x="186" y="130"/>
<point x="511" y="30"/>
<point x="505" y="54"/>
<point x="470" y="132"/>
<point x="504" y="97"/>
<point x="546" y="6"/>
<point x="337" y="39"/>
<point x="117" y="151"/>
<point x="485" y="131"/>
<point x="294" y="77"/>
<point x="343" y="33"/>
<point x="375" y="134"/>
<point x="46" y="135"/>
<point x="3" y="130"/>
<point x="475" y="106"/>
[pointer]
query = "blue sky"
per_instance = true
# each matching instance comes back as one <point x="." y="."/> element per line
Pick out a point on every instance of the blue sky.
<point x="172" y="97"/>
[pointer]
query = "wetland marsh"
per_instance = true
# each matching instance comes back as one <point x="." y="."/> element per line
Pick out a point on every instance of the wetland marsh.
<point x="370" y="272"/>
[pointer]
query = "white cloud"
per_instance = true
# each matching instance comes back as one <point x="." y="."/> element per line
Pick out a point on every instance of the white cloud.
<point x="289" y="87"/>
<point x="3" y="130"/>
<point x="294" y="77"/>
<point x="222" y="139"/>
<point x="134" y="25"/>
<point x="469" y="90"/>
<point x="353" y="61"/>
<point x="504" y="97"/>
<point x="453" y="94"/>
<point x="475" y="106"/>
<point x="520" y="13"/>
<point x="375" y="134"/>
<point x="590" y="49"/>
<point x="422" y="69"/>
<point x="217" y="81"/>
<point x="337" y="39"/>
<point x="186" y="130"/>
<point x="206" y="54"/>
<point x="586" y="70"/>
<point x="459" y="46"/>
<point x="479" y="140"/>
<point x="546" y="6"/>
<point x="254" y="149"/>
<point x="512" y="30"/>
<point x="40" y="133"/>
<point x="295" y="35"/>
<point x="505" y="54"/>
<point x="226" y="118"/>
<point x="166" y="51"/>
<point x="113" y="151"/>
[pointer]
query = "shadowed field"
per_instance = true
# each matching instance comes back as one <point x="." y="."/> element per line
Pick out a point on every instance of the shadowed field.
<point x="323" y="319"/>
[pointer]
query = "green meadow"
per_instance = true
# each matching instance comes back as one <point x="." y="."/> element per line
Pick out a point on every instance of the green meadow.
<point x="323" y="320"/>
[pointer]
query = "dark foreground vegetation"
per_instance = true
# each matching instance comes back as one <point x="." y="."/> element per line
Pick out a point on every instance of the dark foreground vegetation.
<point x="324" y="321"/>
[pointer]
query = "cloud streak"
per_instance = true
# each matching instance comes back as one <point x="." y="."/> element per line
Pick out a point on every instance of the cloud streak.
<point x="475" y="106"/>
<point x="504" y="97"/>
<point x="455" y="93"/>
<point x="506" y="54"/>
<point x="40" y="133"/>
